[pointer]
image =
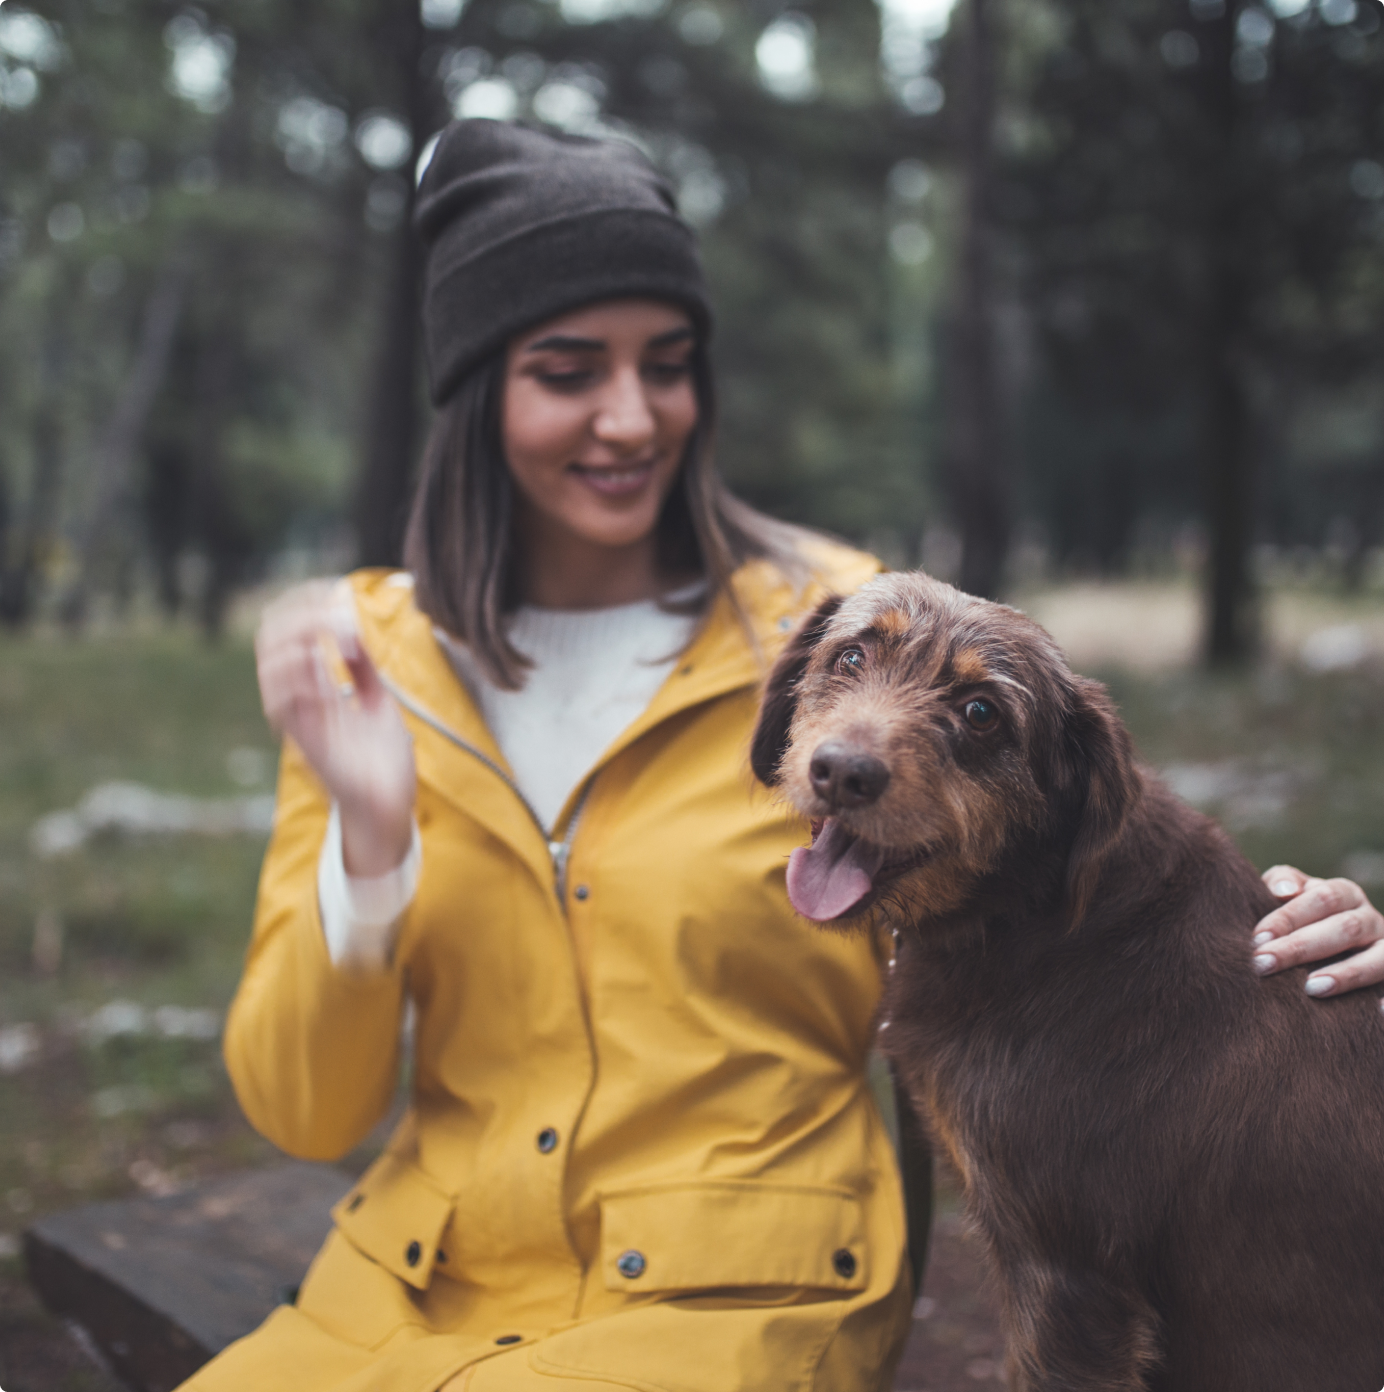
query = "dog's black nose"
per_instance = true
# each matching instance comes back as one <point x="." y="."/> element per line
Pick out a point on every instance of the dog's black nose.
<point x="846" y="777"/>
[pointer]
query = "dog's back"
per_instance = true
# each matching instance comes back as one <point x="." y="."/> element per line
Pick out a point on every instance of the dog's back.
<point x="1275" y="1267"/>
<point x="1179" y="1166"/>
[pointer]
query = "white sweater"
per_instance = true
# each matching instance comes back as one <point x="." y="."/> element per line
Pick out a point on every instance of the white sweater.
<point x="594" y="672"/>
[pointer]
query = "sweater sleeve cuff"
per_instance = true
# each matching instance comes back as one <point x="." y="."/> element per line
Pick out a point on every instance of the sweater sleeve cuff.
<point x="360" y="914"/>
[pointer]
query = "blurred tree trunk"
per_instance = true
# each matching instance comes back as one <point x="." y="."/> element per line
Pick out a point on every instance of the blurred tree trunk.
<point x="392" y="426"/>
<point x="1228" y="447"/>
<point x="8" y="566"/>
<point x="212" y="523"/>
<point x="391" y="433"/>
<point x="976" y="479"/>
<point x="115" y="452"/>
<point x="22" y="576"/>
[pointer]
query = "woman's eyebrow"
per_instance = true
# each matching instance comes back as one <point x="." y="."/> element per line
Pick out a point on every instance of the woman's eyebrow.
<point x="666" y="340"/>
<point x="565" y="343"/>
<point x="571" y="343"/>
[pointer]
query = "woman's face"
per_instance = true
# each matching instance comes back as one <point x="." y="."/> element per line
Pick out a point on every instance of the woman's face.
<point x="598" y="407"/>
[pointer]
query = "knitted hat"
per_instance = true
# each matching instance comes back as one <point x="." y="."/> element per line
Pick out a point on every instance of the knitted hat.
<point x="520" y="225"/>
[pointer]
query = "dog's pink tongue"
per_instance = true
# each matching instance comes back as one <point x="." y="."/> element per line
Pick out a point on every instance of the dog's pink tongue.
<point x="833" y="874"/>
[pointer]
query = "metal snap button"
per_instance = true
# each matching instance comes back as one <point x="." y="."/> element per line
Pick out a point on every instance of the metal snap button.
<point x="413" y="1253"/>
<point x="582" y="892"/>
<point x="547" y="1140"/>
<point x="631" y="1264"/>
<point x="510" y="1339"/>
<point x="844" y="1263"/>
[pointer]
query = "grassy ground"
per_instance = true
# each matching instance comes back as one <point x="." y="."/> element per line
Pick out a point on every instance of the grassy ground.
<point x="1293" y="761"/>
<point x="155" y="923"/>
<point x="1289" y="759"/>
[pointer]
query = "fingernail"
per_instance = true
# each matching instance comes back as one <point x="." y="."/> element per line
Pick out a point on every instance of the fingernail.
<point x="1285" y="887"/>
<point x="1265" y="964"/>
<point x="1320" y="985"/>
<point x="1261" y="938"/>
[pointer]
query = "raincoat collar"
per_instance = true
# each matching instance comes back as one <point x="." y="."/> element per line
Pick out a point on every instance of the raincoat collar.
<point x="722" y="658"/>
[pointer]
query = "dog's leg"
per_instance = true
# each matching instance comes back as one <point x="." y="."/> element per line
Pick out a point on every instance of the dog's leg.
<point x="1074" y="1330"/>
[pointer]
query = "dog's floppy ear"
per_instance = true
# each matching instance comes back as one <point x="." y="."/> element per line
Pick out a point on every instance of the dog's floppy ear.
<point x="781" y="693"/>
<point x="1102" y="756"/>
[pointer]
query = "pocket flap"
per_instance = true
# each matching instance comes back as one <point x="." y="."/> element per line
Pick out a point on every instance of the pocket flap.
<point x="396" y="1214"/>
<point x="714" y="1233"/>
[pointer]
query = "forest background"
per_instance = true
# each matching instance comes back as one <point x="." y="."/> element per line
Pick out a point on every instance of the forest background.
<point x="1062" y="285"/>
<point x="1079" y="303"/>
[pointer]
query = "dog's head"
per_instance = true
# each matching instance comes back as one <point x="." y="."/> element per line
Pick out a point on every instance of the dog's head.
<point x="936" y="741"/>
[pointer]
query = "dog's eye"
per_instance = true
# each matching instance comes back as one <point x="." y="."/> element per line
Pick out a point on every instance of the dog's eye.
<point x="982" y="715"/>
<point x="851" y="661"/>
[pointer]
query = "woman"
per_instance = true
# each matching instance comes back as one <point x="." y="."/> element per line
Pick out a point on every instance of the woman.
<point x="641" y="1152"/>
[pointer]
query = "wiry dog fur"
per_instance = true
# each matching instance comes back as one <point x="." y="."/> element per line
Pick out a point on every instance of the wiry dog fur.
<point x="1178" y="1167"/>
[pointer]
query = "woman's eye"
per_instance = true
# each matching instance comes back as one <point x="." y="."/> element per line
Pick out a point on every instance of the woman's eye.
<point x="982" y="715"/>
<point x="565" y="381"/>
<point x="668" y="372"/>
<point x="852" y="660"/>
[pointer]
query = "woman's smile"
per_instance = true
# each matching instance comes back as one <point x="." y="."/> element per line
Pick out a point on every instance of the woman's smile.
<point x="616" y="480"/>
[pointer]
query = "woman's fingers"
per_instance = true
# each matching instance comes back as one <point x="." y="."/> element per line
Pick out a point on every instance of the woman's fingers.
<point x="1319" y="900"/>
<point x="1285" y="880"/>
<point x="288" y="679"/>
<point x="1363" y="969"/>
<point x="320" y="689"/>
<point x="345" y="633"/>
<point x="293" y="613"/>
<point x="1327" y="918"/>
<point x="297" y="691"/>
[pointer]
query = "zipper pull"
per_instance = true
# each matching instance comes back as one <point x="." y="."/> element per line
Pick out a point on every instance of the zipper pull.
<point x="558" y="850"/>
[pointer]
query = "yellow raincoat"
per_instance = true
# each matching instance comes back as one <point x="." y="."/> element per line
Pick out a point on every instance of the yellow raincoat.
<point x="641" y="1152"/>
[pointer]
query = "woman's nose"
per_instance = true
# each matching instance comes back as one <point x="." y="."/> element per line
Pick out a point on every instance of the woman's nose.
<point x="624" y="418"/>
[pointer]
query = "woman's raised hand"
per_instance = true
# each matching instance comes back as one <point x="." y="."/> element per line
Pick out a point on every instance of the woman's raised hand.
<point x="350" y="732"/>
<point x="1319" y="919"/>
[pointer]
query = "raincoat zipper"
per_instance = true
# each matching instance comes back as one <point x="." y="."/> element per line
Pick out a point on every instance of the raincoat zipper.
<point x="559" y="851"/>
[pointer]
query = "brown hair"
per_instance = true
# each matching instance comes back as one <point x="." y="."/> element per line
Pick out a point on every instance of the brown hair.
<point x="460" y="539"/>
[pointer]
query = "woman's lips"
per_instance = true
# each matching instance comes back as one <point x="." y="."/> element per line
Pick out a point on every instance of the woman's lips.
<point x="615" y="480"/>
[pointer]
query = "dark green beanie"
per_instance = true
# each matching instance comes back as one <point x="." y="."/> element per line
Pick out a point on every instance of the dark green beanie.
<point x="520" y="225"/>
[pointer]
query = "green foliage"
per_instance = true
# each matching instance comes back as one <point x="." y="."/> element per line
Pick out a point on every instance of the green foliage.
<point x="1126" y="187"/>
<point x="226" y="151"/>
<point x="136" y="165"/>
<point x="1189" y="191"/>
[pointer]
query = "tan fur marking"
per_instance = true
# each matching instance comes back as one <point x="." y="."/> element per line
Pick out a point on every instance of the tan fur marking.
<point x="893" y="623"/>
<point x="969" y="667"/>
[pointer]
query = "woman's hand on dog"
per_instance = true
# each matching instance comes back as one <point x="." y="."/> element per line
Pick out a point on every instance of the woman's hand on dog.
<point x="1319" y="919"/>
<point x="344" y="721"/>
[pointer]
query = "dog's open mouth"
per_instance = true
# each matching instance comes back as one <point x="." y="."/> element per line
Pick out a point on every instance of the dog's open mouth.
<point x="836" y="872"/>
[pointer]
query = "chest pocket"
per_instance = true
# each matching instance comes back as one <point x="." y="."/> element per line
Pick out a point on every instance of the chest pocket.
<point x="727" y="1233"/>
<point x="396" y="1215"/>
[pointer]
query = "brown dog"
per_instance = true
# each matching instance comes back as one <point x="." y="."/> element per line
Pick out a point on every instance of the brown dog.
<point x="1177" y="1166"/>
